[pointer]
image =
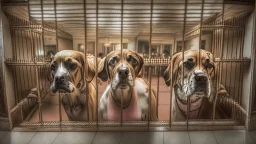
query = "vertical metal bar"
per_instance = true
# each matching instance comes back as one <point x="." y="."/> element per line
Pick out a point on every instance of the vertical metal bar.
<point x="56" y="25"/>
<point x="85" y="54"/>
<point x="183" y="38"/>
<point x="39" y="95"/>
<point x="150" y="48"/>
<point x="174" y="47"/>
<point x="158" y="82"/>
<point x="225" y="83"/>
<point x="200" y="33"/>
<point x="35" y="47"/>
<point x="22" y="45"/>
<point x="96" y="56"/>
<point x="42" y="27"/>
<point x="57" y="49"/>
<point x="28" y="55"/>
<point x="122" y="19"/>
<point x="236" y="33"/>
<point x="15" y="85"/>
<point x="23" y="67"/>
<point x="29" y="10"/>
<point x="183" y="49"/>
<point x="171" y="90"/>
<point x="221" y="55"/>
<point x="231" y="63"/>
<point x="32" y="44"/>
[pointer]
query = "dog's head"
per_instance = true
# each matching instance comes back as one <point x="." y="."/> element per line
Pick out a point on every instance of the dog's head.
<point x="68" y="71"/>
<point x="121" y="71"/>
<point x="198" y="74"/>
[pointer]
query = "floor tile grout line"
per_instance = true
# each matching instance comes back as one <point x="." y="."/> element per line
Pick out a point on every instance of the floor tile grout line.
<point x="4" y="135"/>
<point x="32" y="137"/>
<point x="94" y="137"/>
<point x="254" y="140"/>
<point x="121" y="138"/>
<point x="215" y="137"/>
<point x="189" y="137"/>
<point x="55" y="138"/>
<point x="163" y="136"/>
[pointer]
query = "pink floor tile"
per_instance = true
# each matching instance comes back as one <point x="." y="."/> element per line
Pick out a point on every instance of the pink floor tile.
<point x="164" y="98"/>
<point x="163" y="112"/>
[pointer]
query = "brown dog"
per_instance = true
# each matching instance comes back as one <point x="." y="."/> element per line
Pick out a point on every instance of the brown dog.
<point x="125" y="88"/>
<point x="198" y="84"/>
<point x="68" y="68"/>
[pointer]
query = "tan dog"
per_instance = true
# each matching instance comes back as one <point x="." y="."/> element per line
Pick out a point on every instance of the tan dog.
<point x="199" y="85"/>
<point x="68" y="68"/>
<point x="125" y="88"/>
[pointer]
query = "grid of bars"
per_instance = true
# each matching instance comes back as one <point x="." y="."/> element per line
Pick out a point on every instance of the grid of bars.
<point x="91" y="20"/>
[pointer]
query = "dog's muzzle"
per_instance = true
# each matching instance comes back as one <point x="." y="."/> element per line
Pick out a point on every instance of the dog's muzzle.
<point x="123" y="74"/>
<point x="200" y="81"/>
<point x="62" y="84"/>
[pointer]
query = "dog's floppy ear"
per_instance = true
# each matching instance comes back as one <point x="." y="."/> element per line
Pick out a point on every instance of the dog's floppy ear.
<point x="102" y="69"/>
<point x="141" y="63"/>
<point x="90" y="67"/>
<point x="172" y="69"/>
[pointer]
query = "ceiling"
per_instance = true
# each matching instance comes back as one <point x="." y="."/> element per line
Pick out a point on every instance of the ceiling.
<point x="167" y="16"/>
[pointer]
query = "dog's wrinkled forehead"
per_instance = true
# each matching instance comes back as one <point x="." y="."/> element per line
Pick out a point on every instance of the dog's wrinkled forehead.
<point x="67" y="55"/>
<point x="126" y="58"/>
<point x="193" y="55"/>
<point x="126" y="54"/>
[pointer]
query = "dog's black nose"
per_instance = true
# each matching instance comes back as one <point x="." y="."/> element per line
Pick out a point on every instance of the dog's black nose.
<point x="201" y="79"/>
<point x="123" y="71"/>
<point x="59" y="79"/>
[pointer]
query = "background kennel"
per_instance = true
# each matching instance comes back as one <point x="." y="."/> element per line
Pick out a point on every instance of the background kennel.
<point x="34" y="30"/>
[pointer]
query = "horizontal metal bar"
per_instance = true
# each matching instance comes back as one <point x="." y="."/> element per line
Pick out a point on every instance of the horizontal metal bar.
<point x="24" y="63"/>
<point x="200" y="122"/>
<point x="232" y="60"/>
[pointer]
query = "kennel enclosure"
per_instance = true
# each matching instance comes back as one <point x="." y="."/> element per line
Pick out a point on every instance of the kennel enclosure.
<point x="34" y="30"/>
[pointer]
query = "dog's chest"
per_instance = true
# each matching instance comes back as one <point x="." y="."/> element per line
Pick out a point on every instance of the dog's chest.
<point x="132" y="112"/>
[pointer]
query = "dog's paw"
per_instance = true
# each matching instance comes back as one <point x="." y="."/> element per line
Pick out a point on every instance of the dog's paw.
<point x="143" y="117"/>
<point x="222" y="91"/>
<point x="33" y="95"/>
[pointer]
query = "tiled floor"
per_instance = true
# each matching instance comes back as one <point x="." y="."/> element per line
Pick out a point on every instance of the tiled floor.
<point x="173" y="137"/>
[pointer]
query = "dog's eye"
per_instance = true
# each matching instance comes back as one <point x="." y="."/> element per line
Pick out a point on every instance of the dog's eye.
<point x="188" y="64"/>
<point x="132" y="60"/>
<point x="72" y="65"/>
<point x="210" y="66"/>
<point x="53" y="66"/>
<point x="112" y="61"/>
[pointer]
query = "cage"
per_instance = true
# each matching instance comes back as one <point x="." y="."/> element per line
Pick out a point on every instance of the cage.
<point x="172" y="37"/>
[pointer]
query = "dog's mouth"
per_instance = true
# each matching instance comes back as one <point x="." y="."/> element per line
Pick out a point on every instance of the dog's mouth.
<point x="62" y="88"/>
<point x="201" y="90"/>
<point x="123" y="86"/>
<point x="200" y="94"/>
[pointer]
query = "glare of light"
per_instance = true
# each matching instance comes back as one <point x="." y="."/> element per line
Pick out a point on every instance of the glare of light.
<point x="118" y="47"/>
<point x="82" y="47"/>
<point x="40" y="52"/>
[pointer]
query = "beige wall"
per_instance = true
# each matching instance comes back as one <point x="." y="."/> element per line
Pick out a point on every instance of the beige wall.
<point x="247" y="72"/>
<point x="8" y="75"/>
<point x="63" y="44"/>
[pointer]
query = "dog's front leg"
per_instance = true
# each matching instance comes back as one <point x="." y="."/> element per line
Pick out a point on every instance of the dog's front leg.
<point x="103" y="104"/>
